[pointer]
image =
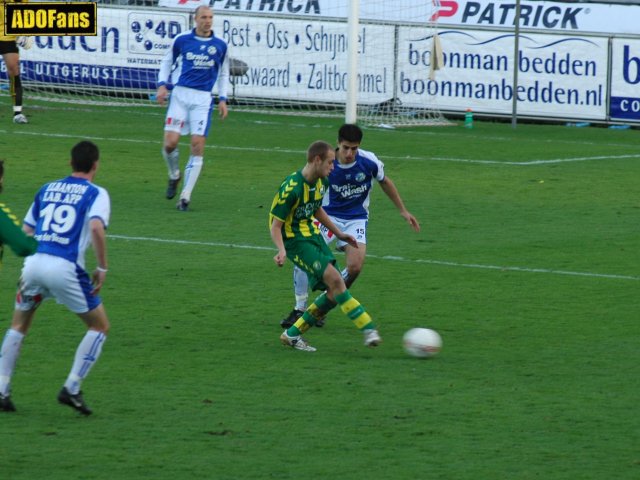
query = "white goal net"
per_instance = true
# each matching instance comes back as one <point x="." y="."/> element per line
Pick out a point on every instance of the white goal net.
<point x="287" y="56"/>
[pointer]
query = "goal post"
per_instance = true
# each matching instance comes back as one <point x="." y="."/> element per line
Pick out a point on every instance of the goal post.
<point x="351" y="107"/>
<point x="363" y="61"/>
<point x="417" y="55"/>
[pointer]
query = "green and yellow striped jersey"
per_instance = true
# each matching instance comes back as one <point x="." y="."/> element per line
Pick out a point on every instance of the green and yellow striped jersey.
<point x="295" y="204"/>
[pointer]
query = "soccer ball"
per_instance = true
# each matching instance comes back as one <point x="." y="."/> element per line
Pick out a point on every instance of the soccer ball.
<point x="422" y="342"/>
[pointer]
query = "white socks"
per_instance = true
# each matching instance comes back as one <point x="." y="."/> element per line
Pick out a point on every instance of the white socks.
<point x="173" y="165"/>
<point x="191" y="174"/>
<point x="8" y="357"/>
<point x="86" y="356"/>
<point x="191" y="171"/>
<point x="300" y="288"/>
<point x="345" y="275"/>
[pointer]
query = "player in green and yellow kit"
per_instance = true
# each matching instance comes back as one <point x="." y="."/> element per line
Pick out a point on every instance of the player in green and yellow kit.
<point x="10" y="232"/>
<point x="296" y="205"/>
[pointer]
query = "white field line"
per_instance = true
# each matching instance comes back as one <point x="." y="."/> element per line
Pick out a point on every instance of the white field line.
<point x="528" y="163"/>
<point x="391" y="258"/>
<point x="385" y="157"/>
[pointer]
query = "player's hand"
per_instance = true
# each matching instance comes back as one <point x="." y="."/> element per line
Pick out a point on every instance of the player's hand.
<point x="223" y="109"/>
<point x="348" y="238"/>
<point x="411" y="220"/>
<point x="98" y="278"/>
<point x="162" y="94"/>
<point x="24" y="42"/>
<point x="280" y="258"/>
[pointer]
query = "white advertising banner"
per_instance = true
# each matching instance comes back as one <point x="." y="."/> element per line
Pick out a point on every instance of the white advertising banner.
<point x="558" y="76"/>
<point x="291" y="59"/>
<point x="183" y="4"/>
<point x="411" y="11"/>
<point x="625" y="79"/>
<point x="302" y="59"/>
<point x="556" y="16"/>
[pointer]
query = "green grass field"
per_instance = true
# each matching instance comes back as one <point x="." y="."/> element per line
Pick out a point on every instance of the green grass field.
<point x="528" y="265"/>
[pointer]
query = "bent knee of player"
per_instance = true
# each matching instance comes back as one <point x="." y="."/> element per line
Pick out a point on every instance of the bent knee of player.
<point x="354" y="269"/>
<point x="171" y="140"/>
<point x="355" y="262"/>
<point x="21" y="320"/>
<point x="333" y="280"/>
<point x="13" y="68"/>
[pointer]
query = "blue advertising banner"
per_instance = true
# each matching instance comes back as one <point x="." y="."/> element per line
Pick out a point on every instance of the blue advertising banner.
<point x="625" y="79"/>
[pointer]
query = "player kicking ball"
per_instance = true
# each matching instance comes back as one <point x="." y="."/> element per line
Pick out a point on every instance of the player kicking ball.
<point x="291" y="219"/>
<point x="347" y="204"/>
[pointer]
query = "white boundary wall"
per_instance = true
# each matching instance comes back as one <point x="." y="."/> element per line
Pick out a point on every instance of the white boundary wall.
<point x="567" y="72"/>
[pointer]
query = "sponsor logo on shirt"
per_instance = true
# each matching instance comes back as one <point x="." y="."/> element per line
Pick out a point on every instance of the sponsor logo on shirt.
<point x="346" y="191"/>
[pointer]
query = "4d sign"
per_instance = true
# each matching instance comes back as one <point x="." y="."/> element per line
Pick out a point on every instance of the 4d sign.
<point x="52" y="18"/>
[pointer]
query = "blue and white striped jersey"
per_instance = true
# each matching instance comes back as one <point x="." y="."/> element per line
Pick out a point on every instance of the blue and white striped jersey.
<point x="196" y="62"/>
<point x="350" y="186"/>
<point x="60" y="215"/>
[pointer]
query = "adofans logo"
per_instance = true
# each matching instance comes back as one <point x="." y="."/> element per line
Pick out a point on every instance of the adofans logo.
<point x="52" y="18"/>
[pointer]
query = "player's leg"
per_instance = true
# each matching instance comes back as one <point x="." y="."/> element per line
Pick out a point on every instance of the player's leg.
<point x="354" y="256"/>
<point x="329" y="238"/>
<point x="199" y="121"/>
<point x="28" y="298"/>
<point x="301" y="292"/>
<point x="337" y="292"/>
<point x="192" y="170"/>
<point x="86" y="356"/>
<point x="318" y="261"/>
<point x="313" y="314"/>
<point x="12" y="61"/>
<point x="355" y="260"/>
<point x="300" y="288"/>
<point x="89" y="349"/>
<point x="301" y="282"/>
<point x="312" y="256"/>
<point x="173" y="126"/>
<point x="171" y="155"/>
<point x="10" y="351"/>
<point x="72" y="287"/>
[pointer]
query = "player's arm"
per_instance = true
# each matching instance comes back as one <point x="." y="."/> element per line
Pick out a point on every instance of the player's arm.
<point x="324" y="219"/>
<point x="389" y="188"/>
<point x="11" y="234"/>
<point x="99" y="242"/>
<point x="283" y="203"/>
<point x="276" y="237"/>
<point x="223" y="86"/>
<point x="164" y="75"/>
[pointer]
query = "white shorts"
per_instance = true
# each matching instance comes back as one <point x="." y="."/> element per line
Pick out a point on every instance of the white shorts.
<point x="189" y="111"/>
<point x="356" y="228"/>
<point x="46" y="276"/>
